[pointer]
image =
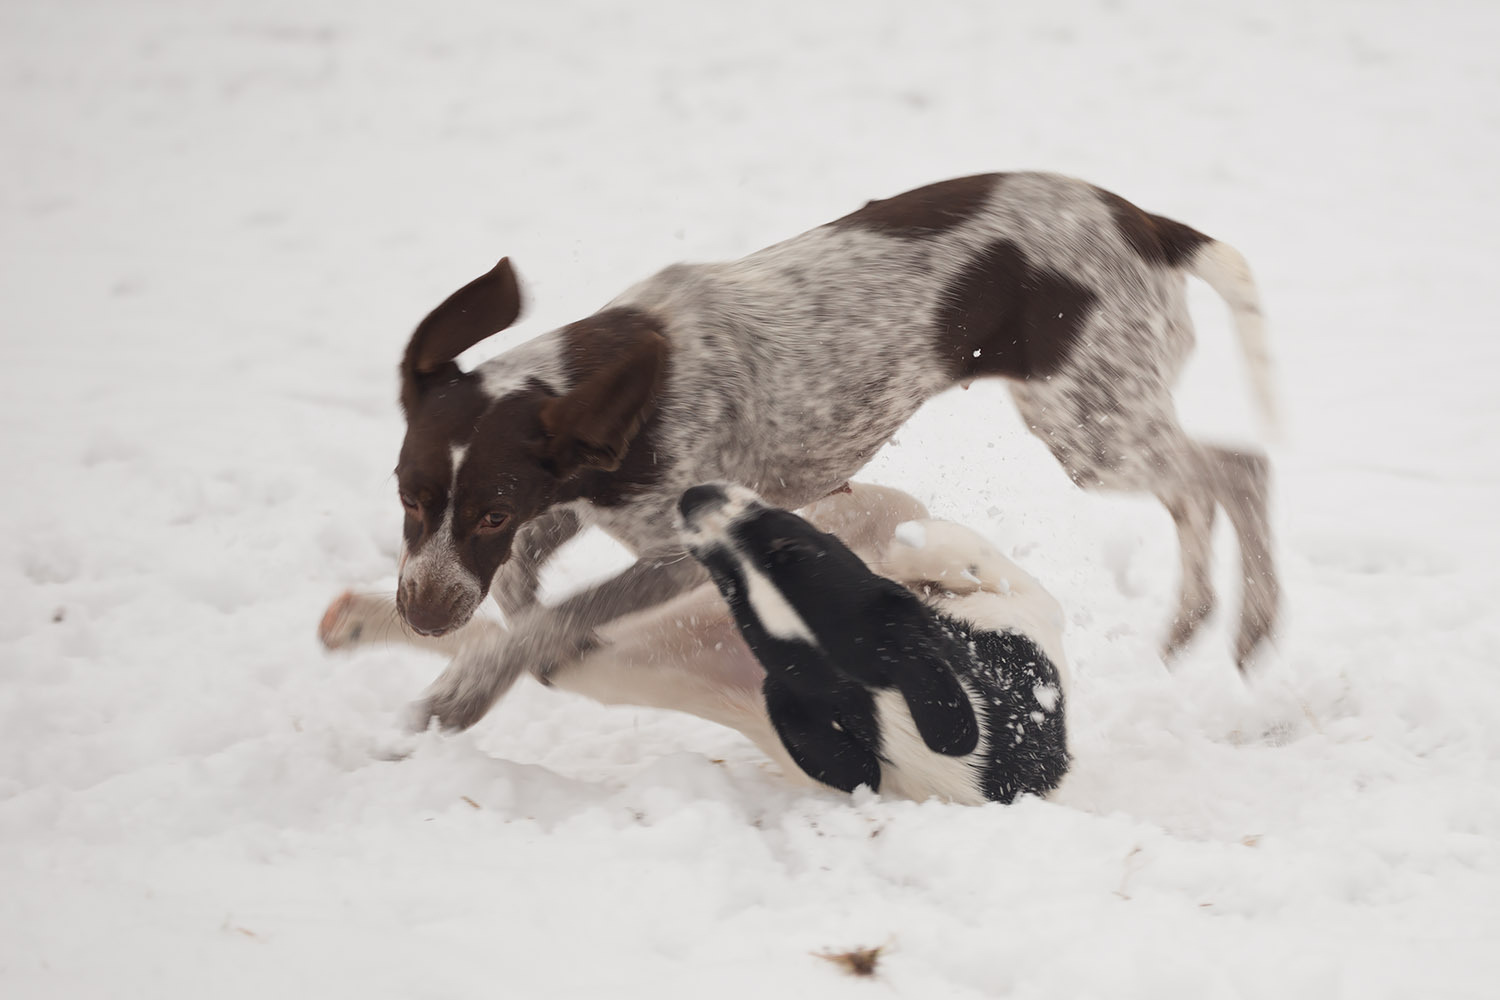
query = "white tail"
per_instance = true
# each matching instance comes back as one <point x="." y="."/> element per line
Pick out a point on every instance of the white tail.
<point x="1227" y="273"/>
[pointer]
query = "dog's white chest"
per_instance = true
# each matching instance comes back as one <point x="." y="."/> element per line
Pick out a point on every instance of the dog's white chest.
<point x="908" y="769"/>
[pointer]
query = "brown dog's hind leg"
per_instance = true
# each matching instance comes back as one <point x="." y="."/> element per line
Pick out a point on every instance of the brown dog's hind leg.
<point x="1193" y="513"/>
<point x="1190" y="490"/>
<point x="1084" y="423"/>
<point x="1241" y="483"/>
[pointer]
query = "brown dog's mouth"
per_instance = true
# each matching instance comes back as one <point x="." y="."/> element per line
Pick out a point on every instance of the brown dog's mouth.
<point x="431" y="633"/>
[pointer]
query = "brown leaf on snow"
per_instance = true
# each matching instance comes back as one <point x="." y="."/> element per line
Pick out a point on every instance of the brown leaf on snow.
<point x="859" y="962"/>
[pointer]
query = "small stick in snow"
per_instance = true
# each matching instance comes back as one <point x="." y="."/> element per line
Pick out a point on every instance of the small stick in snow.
<point x="859" y="962"/>
<point x="1130" y="870"/>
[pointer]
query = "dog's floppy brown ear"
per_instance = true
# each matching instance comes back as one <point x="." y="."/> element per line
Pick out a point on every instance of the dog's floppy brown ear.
<point x="485" y="306"/>
<point x="622" y="363"/>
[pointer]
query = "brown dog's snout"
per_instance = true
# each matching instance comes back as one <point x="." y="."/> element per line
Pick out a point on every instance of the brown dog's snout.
<point x="433" y="609"/>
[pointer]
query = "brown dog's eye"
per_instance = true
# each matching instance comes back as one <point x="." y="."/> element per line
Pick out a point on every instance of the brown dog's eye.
<point x="409" y="502"/>
<point x="494" y="521"/>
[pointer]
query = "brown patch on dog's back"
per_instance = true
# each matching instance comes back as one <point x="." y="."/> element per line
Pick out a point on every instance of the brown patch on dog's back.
<point x="927" y="211"/>
<point x="1002" y="316"/>
<point x="1155" y="239"/>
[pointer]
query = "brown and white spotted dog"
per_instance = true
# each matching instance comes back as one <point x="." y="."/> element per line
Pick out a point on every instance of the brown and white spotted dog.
<point x="785" y="371"/>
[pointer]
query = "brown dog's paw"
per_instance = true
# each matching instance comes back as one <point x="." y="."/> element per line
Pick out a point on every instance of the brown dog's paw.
<point x="477" y="677"/>
<point x="453" y="711"/>
<point x="418" y="716"/>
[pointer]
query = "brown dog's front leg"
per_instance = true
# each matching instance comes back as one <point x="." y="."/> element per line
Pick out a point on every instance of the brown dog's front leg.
<point x="543" y="639"/>
<point x="514" y="586"/>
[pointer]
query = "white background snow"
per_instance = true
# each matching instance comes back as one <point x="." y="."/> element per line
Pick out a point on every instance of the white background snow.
<point x="219" y="221"/>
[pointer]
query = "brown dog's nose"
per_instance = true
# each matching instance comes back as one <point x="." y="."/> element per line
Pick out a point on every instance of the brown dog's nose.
<point x="429" y="610"/>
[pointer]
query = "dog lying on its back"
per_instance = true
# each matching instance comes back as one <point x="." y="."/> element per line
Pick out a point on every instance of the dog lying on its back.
<point x="684" y="655"/>
<point x="947" y="695"/>
<point x="688" y="655"/>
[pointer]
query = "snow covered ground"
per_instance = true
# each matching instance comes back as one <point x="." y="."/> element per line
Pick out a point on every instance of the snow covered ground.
<point x="219" y="222"/>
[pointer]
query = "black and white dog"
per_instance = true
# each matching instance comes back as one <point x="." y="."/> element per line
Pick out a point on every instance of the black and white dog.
<point x="945" y="695"/>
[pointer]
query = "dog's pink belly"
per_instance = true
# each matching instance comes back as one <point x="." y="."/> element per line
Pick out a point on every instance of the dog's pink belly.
<point x="735" y="668"/>
<point x="708" y="645"/>
<point x="692" y="636"/>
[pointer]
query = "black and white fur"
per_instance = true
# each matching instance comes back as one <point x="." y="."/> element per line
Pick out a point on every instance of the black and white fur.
<point x="785" y="371"/>
<point x="869" y="684"/>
